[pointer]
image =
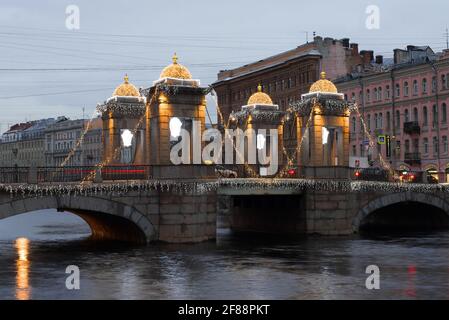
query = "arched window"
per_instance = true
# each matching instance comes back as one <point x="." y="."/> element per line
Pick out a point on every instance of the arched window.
<point x="398" y="119"/>
<point x="443" y="81"/>
<point x="435" y="145"/>
<point x="424" y="85"/>
<point x="380" y="93"/>
<point x="398" y="90"/>
<point x="443" y="113"/>
<point x="445" y="144"/>
<point x="405" y="89"/>
<point x="426" y="145"/>
<point x="407" y="146"/>
<point x="368" y="95"/>
<point x="375" y="95"/>
<point x="425" y="116"/>
<point x="415" y="114"/>
<point x="388" y="120"/>
<point x="368" y="122"/>
<point x="415" y="87"/>
<point x="381" y="120"/>
<point x="354" y="124"/>
<point x="435" y="116"/>
<point x="375" y="121"/>
<point x="406" y="116"/>
<point x="387" y="92"/>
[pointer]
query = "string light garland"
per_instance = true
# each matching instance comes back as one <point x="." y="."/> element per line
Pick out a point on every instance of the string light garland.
<point x="204" y="187"/>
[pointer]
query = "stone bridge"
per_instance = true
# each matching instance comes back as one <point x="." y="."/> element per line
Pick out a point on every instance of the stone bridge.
<point x="189" y="211"/>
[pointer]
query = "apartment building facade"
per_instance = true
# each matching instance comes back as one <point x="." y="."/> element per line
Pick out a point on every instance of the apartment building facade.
<point x="23" y="144"/>
<point x="402" y="112"/>
<point x="62" y="145"/>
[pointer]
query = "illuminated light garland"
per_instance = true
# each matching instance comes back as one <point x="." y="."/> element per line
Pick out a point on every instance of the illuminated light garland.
<point x="203" y="187"/>
<point x="126" y="109"/>
<point x="78" y="143"/>
<point x="385" y="165"/>
<point x="330" y="106"/>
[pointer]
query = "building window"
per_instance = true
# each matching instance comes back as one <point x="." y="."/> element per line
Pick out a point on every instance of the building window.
<point x="445" y="145"/>
<point x="407" y="146"/>
<point x="368" y="95"/>
<point x="416" y="145"/>
<point x="435" y="116"/>
<point x="434" y="84"/>
<point x="380" y="93"/>
<point x="398" y="90"/>
<point x="435" y="145"/>
<point x="376" y="94"/>
<point x="405" y="89"/>
<point x="354" y="151"/>
<point x="415" y="114"/>
<point x="425" y="117"/>
<point x="444" y="82"/>
<point x="381" y="120"/>
<point x="375" y="121"/>
<point x="387" y="92"/>
<point x="398" y="119"/>
<point x="424" y="86"/>
<point x="443" y="113"/>
<point x="415" y="87"/>
<point x="353" y="97"/>
<point x="426" y="145"/>
<point x="406" y="116"/>
<point x="368" y="124"/>
<point x="354" y="125"/>
<point x="388" y="120"/>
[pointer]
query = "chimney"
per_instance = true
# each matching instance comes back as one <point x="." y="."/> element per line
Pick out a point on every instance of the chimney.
<point x="379" y="59"/>
<point x="367" y="56"/>
<point x="355" y="49"/>
<point x="345" y="42"/>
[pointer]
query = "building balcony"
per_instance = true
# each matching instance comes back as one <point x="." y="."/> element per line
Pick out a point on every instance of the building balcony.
<point x="412" y="127"/>
<point x="412" y="158"/>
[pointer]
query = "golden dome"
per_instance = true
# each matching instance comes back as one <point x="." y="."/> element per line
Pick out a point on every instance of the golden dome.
<point x="126" y="89"/>
<point x="323" y="85"/>
<point x="260" y="97"/>
<point x="175" y="70"/>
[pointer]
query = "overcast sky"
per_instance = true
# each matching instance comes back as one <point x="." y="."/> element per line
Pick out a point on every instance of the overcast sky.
<point x="139" y="38"/>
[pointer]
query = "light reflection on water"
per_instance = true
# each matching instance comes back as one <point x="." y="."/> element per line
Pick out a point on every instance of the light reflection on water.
<point x="23" y="266"/>
<point x="235" y="267"/>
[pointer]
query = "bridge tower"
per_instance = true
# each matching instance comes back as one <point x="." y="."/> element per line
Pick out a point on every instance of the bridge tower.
<point x="123" y="125"/>
<point x="174" y="102"/>
<point x="323" y="118"/>
<point x="257" y="119"/>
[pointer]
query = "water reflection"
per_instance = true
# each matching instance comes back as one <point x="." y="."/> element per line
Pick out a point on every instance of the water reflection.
<point x="22" y="246"/>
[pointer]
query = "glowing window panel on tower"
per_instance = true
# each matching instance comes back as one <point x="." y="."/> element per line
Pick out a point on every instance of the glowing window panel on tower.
<point x="127" y="138"/>
<point x="261" y="140"/>
<point x="325" y="135"/>
<point x="175" y="128"/>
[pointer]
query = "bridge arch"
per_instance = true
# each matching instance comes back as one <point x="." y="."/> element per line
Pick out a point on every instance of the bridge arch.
<point x="390" y="201"/>
<point x="108" y="219"/>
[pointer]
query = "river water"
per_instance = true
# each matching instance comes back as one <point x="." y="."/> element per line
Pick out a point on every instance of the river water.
<point x="36" y="248"/>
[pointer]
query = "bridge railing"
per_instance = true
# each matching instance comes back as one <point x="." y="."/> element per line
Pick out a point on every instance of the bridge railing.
<point x="106" y="173"/>
<point x="80" y="173"/>
<point x="13" y="174"/>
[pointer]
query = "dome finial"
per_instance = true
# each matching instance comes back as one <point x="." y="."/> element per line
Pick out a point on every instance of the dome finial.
<point x="259" y="88"/>
<point x="126" y="79"/>
<point x="323" y="75"/>
<point x="175" y="59"/>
